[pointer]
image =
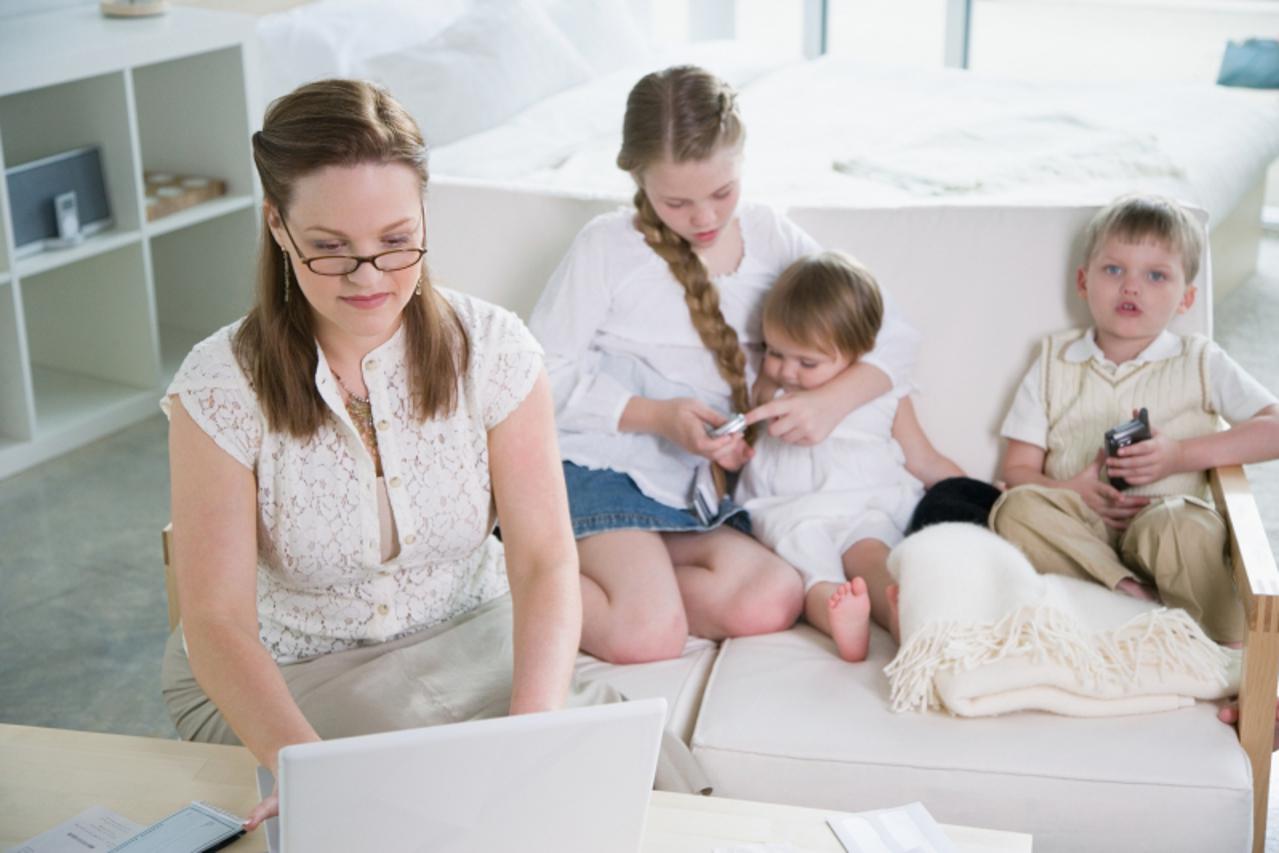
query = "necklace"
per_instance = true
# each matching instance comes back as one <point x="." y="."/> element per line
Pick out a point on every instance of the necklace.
<point x="361" y="412"/>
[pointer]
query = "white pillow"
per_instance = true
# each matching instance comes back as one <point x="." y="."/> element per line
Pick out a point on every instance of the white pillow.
<point x="484" y="68"/>
<point x="605" y="31"/>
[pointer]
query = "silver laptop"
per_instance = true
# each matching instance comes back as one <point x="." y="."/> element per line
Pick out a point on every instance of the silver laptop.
<point x="574" y="781"/>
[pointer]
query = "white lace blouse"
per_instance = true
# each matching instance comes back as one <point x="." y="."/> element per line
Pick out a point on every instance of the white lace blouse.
<point x="322" y="585"/>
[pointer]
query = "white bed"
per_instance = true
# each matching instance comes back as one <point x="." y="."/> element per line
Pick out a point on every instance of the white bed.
<point x="529" y="94"/>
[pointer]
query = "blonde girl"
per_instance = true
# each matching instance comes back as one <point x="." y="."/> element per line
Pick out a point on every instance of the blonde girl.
<point x="651" y="330"/>
<point x="834" y="509"/>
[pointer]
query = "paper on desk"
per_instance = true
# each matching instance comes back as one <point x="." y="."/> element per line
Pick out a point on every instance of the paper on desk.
<point x="95" y="828"/>
<point x="905" y="829"/>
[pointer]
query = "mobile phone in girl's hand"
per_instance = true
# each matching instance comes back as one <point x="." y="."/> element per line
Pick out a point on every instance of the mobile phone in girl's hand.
<point x="735" y="424"/>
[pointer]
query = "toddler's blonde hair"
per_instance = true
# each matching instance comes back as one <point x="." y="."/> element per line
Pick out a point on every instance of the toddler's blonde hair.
<point x="1136" y="218"/>
<point x="828" y="301"/>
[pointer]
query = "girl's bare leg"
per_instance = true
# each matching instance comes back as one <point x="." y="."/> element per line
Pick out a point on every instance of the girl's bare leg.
<point x="631" y="608"/>
<point x="732" y="586"/>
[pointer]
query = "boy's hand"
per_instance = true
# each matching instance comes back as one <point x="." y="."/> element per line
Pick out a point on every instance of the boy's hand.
<point x="1115" y="508"/>
<point x="1147" y="461"/>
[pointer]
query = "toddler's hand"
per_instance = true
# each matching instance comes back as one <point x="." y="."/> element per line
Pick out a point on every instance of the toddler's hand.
<point x="1115" y="508"/>
<point x="1147" y="461"/>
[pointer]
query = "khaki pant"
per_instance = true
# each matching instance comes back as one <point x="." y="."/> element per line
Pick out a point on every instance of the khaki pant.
<point x="450" y="673"/>
<point x="1177" y="543"/>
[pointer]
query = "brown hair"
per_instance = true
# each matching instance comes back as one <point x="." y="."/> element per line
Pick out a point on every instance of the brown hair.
<point x="827" y="301"/>
<point x="685" y="114"/>
<point x="335" y="123"/>
<point x="1134" y="218"/>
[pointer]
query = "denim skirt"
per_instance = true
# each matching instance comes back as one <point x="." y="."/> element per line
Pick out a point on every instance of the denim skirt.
<point x="601" y="499"/>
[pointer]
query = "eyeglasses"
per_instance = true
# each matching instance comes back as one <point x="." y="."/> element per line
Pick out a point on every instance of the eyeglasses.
<point x="395" y="259"/>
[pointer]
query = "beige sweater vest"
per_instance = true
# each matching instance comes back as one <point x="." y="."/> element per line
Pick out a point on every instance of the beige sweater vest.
<point x="1085" y="399"/>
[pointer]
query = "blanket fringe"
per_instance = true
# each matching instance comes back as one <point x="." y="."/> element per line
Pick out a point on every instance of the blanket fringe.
<point x="1168" y="640"/>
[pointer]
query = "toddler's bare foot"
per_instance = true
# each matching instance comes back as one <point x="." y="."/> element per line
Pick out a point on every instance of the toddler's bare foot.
<point x="1136" y="589"/>
<point x="893" y="593"/>
<point x="850" y="619"/>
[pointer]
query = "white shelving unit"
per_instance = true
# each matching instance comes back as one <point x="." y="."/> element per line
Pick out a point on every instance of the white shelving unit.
<point x="91" y="335"/>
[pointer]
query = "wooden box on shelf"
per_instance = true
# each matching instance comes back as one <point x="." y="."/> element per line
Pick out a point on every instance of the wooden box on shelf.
<point x="168" y="193"/>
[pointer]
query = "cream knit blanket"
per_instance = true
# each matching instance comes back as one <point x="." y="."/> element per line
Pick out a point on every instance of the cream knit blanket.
<point x="983" y="633"/>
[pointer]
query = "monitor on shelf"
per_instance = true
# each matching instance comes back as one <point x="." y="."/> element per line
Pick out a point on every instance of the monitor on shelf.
<point x="57" y="201"/>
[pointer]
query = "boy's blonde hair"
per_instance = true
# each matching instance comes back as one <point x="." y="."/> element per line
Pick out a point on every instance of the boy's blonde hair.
<point x="827" y="301"/>
<point x="1133" y="218"/>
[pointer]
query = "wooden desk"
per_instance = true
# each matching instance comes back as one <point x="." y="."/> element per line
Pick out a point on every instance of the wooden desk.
<point x="50" y="775"/>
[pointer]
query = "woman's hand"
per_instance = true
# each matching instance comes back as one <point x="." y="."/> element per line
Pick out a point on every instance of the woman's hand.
<point x="735" y="454"/>
<point x="1115" y="508"/>
<point x="1147" y="461"/>
<point x="270" y="807"/>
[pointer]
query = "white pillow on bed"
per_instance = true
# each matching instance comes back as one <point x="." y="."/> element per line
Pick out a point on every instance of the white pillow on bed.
<point x="605" y="32"/>
<point x="484" y="68"/>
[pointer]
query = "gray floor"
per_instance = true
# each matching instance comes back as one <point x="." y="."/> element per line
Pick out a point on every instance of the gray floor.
<point x="82" y="607"/>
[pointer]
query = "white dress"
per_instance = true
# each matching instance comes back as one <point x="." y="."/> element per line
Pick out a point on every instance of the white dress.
<point x="810" y="504"/>
<point x="615" y="325"/>
<point x="326" y="581"/>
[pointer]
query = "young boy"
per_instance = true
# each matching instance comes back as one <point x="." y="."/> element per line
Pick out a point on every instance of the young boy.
<point x="1161" y="537"/>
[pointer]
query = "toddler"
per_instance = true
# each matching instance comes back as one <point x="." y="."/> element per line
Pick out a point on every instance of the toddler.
<point x="834" y="509"/>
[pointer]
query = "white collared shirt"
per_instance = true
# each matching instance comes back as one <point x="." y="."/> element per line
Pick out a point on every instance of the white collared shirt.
<point x="1235" y="395"/>
<point x="322" y="583"/>
<point x="615" y="325"/>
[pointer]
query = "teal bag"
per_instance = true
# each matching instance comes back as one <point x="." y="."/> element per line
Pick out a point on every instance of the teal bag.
<point x="1253" y="64"/>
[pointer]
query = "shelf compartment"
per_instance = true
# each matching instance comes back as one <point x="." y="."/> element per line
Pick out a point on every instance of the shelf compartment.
<point x="94" y="111"/>
<point x="209" y="138"/>
<point x="98" y="244"/>
<point x="204" y="279"/>
<point x="17" y="421"/>
<point x="90" y="336"/>
<point x="199" y="213"/>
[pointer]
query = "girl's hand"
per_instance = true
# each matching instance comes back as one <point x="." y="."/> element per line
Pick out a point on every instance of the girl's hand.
<point x="1115" y="508"/>
<point x="736" y="454"/>
<point x="270" y="807"/>
<point x="801" y="417"/>
<point x="1147" y="461"/>
<point x="684" y="420"/>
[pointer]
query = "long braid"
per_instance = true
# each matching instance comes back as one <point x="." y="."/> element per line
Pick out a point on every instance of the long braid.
<point x="700" y="296"/>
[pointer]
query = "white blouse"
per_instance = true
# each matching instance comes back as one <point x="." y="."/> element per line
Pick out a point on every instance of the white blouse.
<point x="322" y="583"/>
<point x="614" y="324"/>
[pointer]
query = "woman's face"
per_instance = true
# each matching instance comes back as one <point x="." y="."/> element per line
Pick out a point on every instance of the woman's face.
<point x="363" y="210"/>
<point x="696" y="199"/>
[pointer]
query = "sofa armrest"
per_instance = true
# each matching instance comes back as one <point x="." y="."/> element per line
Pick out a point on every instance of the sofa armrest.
<point x="1257" y="580"/>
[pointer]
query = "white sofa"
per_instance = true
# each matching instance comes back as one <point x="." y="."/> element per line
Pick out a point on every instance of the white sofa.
<point x="779" y="717"/>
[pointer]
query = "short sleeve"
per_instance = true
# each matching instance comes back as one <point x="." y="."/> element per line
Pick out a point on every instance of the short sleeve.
<point x="218" y="397"/>
<point x="1236" y="395"/>
<point x="1027" y="418"/>
<point x="505" y="359"/>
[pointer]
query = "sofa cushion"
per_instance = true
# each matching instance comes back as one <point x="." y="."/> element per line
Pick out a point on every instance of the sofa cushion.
<point x="785" y="720"/>
<point x="680" y="681"/>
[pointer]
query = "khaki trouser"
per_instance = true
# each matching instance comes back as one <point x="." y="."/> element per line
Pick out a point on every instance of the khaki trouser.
<point x="1177" y="543"/>
<point x="457" y="671"/>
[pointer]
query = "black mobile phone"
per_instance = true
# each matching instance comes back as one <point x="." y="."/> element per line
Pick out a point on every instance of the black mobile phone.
<point x="196" y="828"/>
<point x="1130" y="432"/>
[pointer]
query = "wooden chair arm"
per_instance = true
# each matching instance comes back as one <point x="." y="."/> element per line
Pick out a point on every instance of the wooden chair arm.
<point x="1257" y="581"/>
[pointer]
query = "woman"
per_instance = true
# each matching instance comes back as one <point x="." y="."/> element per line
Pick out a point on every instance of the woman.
<point x="338" y="460"/>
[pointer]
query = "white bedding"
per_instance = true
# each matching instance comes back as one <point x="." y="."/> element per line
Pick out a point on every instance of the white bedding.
<point x="835" y="131"/>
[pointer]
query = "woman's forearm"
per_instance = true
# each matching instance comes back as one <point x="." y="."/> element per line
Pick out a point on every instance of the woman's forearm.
<point x="858" y="385"/>
<point x="547" y="604"/>
<point x="243" y="680"/>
